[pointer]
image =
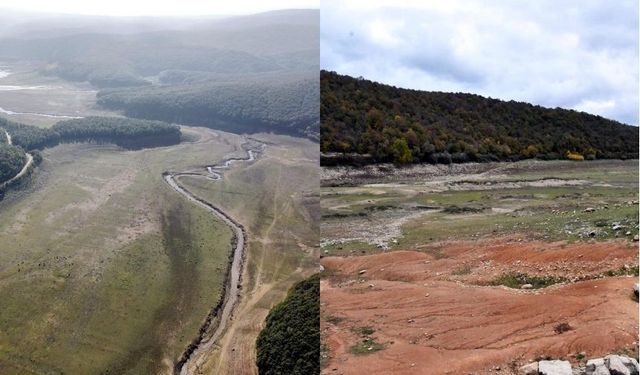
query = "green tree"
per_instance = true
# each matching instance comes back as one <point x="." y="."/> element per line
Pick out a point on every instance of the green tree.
<point x="401" y="152"/>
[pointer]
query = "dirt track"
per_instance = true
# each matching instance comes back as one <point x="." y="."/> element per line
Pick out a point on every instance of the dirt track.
<point x="434" y="319"/>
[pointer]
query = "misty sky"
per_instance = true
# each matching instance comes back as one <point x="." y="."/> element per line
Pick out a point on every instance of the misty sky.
<point x="156" y="8"/>
<point x="580" y="54"/>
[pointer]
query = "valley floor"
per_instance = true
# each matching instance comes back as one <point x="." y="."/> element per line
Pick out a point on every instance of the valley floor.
<point x="480" y="268"/>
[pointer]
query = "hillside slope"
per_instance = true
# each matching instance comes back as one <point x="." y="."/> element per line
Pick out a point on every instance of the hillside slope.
<point x="390" y="124"/>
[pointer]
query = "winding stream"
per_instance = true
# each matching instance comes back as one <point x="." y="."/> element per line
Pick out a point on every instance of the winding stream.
<point x="211" y="331"/>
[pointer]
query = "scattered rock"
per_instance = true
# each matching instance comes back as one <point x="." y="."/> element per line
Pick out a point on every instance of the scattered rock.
<point x="530" y="369"/>
<point x="555" y="367"/>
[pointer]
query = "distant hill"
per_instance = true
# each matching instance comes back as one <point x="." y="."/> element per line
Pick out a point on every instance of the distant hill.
<point x="242" y="74"/>
<point x="365" y="121"/>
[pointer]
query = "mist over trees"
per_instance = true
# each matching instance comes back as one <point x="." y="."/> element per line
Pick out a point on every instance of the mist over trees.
<point x="287" y="105"/>
<point x="241" y="74"/>
<point x="404" y="126"/>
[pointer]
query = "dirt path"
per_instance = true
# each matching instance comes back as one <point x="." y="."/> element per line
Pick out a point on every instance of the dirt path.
<point x="431" y="315"/>
<point x="216" y="322"/>
<point x="24" y="169"/>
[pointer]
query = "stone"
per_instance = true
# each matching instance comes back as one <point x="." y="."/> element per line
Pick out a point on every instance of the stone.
<point x="596" y="366"/>
<point x="636" y="289"/>
<point x="636" y="238"/>
<point x="362" y="272"/>
<point x="589" y="209"/>
<point x="526" y="286"/>
<point x="555" y="367"/>
<point x="616" y="365"/>
<point x="630" y="363"/>
<point x="530" y="369"/>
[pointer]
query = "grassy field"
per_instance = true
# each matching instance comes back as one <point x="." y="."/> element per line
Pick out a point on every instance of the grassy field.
<point x="103" y="268"/>
<point x="546" y="200"/>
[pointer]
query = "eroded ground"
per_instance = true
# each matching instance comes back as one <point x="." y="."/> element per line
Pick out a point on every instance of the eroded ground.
<point x="449" y="299"/>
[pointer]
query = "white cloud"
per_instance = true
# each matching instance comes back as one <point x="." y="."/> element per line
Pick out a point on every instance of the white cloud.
<point x="571" y="54"/>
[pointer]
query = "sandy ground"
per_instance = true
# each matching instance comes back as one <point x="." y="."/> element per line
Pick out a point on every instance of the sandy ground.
<point x="433" y="319"/>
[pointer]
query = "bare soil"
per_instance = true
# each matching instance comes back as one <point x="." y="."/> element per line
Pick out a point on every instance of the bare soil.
<point x="433" y="312"/>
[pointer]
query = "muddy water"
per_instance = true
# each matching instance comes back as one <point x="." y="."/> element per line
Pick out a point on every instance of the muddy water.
<point x="210" y="333"/>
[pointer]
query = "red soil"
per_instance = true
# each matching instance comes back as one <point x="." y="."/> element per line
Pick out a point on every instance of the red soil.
<point x="433" y="318"/>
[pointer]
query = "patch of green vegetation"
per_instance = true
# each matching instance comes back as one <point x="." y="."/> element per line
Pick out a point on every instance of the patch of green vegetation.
<point x="364" y="331"/>
<point x="463" y="270"/>
<point x="290" y="340"/>
<point x="517" y="280"/>
<point x="334" y="319"/>
<point x="366" y="346"/>
<point x="623" y="271"/>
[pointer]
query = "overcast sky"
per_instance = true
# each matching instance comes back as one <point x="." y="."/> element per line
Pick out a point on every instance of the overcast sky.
<point x="580" y="54"/>
<point x="156" y="7"/>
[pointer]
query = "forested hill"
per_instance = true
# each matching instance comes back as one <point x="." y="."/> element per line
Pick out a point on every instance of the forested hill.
<point x="389" y="124"/>
<point x="285" y="104"/>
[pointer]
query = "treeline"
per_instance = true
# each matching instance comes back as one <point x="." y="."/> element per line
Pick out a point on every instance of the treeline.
<point x="389" y="124"/>
<point x="285" y="107"/>
<point x="124" y="132"/>
<point x="290" y="341"/>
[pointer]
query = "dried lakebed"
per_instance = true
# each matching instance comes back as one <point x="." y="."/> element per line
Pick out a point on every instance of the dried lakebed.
<point x="216" y="321"/>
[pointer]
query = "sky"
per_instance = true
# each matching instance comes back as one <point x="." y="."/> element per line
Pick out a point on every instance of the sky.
<point x="579" y="54"/>
<point x="156" y="7"/>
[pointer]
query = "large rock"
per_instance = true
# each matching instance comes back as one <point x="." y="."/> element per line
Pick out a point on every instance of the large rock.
<point x="596" y="366"/>
<point x="556" y="367"/>
<point x="621" y="365"/>
<point x="530" y="369"/>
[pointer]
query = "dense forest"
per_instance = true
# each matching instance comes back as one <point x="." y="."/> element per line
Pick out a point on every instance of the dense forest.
<point x="287" y="105"/>
<point x="124" y="132"/>
<point x="12" y="160"/>
<point x="366" y="121"/>
<point x="290" y="341"/>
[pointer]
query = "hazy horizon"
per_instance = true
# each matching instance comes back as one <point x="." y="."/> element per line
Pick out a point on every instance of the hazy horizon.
<point x="144" y="9"/>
